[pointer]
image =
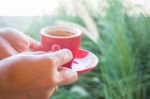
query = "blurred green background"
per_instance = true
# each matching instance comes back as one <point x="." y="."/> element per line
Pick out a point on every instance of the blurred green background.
<point x="117" y="31"/>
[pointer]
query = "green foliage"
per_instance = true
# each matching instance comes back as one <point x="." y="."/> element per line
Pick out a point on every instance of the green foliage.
<point x="124" y="55"/>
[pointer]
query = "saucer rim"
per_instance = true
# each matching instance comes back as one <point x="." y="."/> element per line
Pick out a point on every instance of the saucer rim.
<point x="90" y="67"/>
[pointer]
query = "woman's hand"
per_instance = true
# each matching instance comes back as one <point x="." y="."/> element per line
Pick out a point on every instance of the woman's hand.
<point x="13" y="41"/>
<point x="34" y="75"/>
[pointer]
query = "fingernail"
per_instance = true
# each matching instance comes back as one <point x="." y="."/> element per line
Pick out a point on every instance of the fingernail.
<point x="67" y="54"/>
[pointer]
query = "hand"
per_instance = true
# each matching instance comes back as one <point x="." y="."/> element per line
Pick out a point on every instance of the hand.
<point x="34" y="75"/>
<point x="13" y="42"/>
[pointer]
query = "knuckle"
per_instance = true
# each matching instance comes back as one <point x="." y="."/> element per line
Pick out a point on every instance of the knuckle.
<point x="50" y="61"/>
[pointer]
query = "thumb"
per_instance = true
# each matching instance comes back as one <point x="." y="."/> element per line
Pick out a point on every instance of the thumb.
<point x="34" y="45"/>
<point x="66" y="76"/>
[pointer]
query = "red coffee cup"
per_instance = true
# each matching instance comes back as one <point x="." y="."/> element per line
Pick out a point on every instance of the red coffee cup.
<point x="54" y="38"/>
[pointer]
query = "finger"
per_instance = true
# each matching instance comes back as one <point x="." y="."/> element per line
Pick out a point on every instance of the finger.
<point x="66" y="76"/>
<point x="35" y="53"/>
<point x="59" y="57"/>
<point x="6" y="49"/>
<point x="34" y="45"/>
<point x="39" y="52"/>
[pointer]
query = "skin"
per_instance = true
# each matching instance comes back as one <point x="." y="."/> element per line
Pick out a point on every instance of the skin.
<point x="30" y="75"/>
<point x="13" y="41"/>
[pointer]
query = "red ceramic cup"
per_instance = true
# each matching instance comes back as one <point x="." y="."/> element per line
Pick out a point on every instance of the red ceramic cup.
<point x="54" y="38"/>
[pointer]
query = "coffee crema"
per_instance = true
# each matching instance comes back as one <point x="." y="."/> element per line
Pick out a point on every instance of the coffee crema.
<point x="59" y="33"/>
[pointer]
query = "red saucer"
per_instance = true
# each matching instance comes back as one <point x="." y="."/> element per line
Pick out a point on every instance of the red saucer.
<point x="85" y="61"/>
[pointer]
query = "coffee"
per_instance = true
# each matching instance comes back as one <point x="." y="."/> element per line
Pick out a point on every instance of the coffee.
<point x="59" y="33"/>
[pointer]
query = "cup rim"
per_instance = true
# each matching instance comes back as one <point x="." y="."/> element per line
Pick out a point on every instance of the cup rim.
<point x="73" y="30"/>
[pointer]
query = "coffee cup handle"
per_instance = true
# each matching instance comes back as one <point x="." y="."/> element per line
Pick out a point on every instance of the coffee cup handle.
<point x="55" y="47"/>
